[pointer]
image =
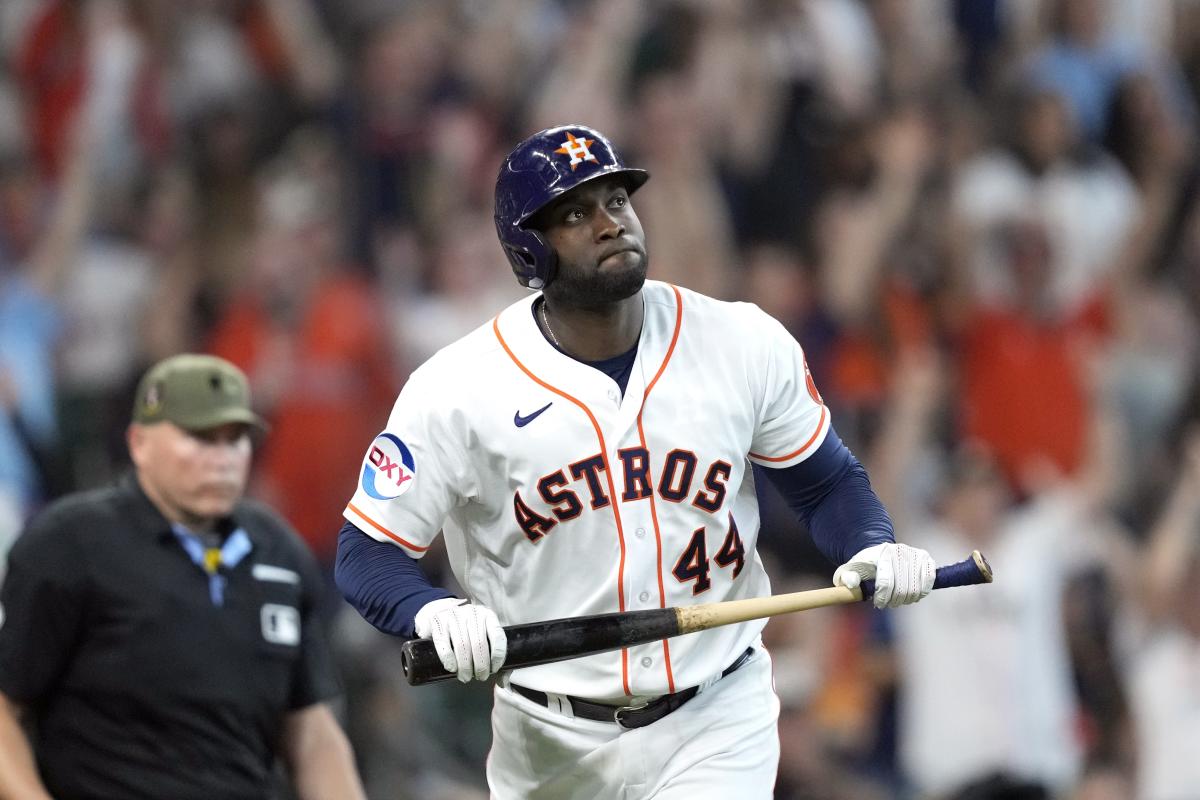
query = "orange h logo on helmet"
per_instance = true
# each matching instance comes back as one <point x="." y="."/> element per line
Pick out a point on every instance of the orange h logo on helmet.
<point x="577" y="149"/>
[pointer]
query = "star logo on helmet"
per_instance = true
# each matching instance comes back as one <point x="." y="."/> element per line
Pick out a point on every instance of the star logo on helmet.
<point x="577" y="149"/>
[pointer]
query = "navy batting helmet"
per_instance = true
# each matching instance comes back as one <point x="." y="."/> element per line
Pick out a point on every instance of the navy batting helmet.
<point x="544" y="166"/>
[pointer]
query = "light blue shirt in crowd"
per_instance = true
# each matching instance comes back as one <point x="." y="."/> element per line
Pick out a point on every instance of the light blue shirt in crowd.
<point x="30" y="324"/>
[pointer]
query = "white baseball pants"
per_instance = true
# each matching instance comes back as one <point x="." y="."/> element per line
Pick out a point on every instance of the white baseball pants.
<point x="723" y="743"/>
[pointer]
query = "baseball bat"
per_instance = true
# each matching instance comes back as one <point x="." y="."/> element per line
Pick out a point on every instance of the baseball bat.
<point x="533" y="643"/>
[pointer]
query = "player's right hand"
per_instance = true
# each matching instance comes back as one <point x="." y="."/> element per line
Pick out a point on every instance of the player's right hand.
<point x="468" y="638"/>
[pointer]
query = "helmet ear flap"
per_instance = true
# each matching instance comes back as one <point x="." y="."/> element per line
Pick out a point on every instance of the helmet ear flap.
<point x="533" y="260"/>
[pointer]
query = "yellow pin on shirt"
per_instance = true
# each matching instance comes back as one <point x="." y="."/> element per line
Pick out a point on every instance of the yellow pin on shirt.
<point x="212" y="560"/>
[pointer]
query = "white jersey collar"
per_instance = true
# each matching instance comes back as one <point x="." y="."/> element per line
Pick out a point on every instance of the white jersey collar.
<point x="520" y="336"/>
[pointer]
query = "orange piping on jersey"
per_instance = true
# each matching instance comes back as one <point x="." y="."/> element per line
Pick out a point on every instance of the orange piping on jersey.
<point x="662" y="594"/>
<point x="385" y="531"/>
<point x="803" y="447"/>
<point x="612" y="490"/>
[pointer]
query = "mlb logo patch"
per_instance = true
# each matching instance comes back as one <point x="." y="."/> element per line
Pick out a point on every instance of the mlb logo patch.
<point x="280" y="624"/>
<point x="389" y="469"/>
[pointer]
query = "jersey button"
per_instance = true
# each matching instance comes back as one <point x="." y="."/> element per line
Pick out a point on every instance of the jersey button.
<point x="644" y="596"/>
<point x="640" y="532"/>
<point x="612" y="395"/>
<point x="647" y="661"/>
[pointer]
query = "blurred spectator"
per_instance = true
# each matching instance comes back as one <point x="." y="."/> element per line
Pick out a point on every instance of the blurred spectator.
<point x="1081" y="196"/>
<point x="31" y="271"/>
<point x="467" y="283"/>
<point x="784" y="284"/>
<point x="272" y="51"/>
<point x="737" y="79"/>
<point x="980" y="28"/>
<point x="593" y="66"/>
<point x="1041" y="225"/>
<point x="245" y="74"/>
<point x="1164" y="642"/>
<point x="1145" y="134"/>
<point x="225" y="144"/>
<point x="38" y="268"/>
<point x="400" y="70"/>
<point x="846" y="50"/>
<point x="1022" y="394"/>
<point x="1083" y="61"/>
<point x="1104" y="783"/>
<point x="111" y="274"/>
<point x="985" y="679"/>
<point x="13" y="136"/>
<point x="865" y="280"/>
<point x="168" y="231"/>
<point x="916" y="40"/>
<point x="863" y="217"/>
<point x="62" y="60"/>
<point x="310" y="332"/>
<point x="15" y="17"/>
<point x="825" y="719"/>
<point x="696" y="248"/>
<point x="1185" y="42"/>
<point x="1007" y="184"/>
<point x="424" y="745"/>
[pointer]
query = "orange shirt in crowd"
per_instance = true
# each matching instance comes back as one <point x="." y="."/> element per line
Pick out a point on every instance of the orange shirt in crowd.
<point x="1024" y="392"/>
<point x="331" y="380"/>
<point x="860" y="366"/>
<point x="1021" y="393"/>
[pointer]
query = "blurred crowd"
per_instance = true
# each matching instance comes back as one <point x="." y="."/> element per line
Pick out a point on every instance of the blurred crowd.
<point x="979" y="217"/>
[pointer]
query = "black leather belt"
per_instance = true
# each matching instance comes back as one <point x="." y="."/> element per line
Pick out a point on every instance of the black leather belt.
<point x="628" y="717"/>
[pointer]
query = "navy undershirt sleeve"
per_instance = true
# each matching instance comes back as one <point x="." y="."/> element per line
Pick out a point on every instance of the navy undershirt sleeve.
<point x="382" y="582"/>
<point x="831" y="495"/>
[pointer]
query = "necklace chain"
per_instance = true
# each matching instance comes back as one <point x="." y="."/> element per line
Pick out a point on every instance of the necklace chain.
<point x="549" y="330"/>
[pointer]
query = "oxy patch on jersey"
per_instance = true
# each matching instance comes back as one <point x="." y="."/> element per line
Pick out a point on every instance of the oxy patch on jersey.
<point x="388" y="469"/>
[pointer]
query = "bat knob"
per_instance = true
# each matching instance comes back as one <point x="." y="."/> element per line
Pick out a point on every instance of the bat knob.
<point x="420" y="663"/>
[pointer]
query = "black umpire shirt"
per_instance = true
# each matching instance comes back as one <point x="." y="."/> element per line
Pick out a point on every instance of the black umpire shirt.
<point x="140" y="685"/>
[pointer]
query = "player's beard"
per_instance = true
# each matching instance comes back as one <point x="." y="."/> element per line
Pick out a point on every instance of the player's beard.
<point x="596" y="288"/>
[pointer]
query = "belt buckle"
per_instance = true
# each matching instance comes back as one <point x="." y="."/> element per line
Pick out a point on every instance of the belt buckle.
<point x="617" y="713"/>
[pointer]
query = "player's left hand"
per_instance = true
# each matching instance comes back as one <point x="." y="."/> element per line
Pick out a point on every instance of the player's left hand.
<point x="902" y="574"/>
<point x="469" y="638"/>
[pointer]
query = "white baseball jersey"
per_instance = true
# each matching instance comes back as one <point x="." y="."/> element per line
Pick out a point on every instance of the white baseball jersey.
<point x="558" y="497"/>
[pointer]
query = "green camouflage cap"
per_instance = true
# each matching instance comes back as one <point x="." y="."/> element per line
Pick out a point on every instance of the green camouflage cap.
<point x="196" y="392"/>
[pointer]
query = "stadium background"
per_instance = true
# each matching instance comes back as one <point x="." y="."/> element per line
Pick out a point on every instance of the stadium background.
<point x="979" y="217"/>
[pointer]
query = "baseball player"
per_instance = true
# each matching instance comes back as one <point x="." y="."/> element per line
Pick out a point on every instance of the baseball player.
<point x="588" y="451"/>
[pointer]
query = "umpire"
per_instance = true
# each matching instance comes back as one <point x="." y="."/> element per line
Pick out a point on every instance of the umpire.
<point x="161" y="636"/>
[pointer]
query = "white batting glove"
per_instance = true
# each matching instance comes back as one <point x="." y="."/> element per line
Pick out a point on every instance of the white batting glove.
<point x="902" y="574"/>
<point x="468" y="638"/>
